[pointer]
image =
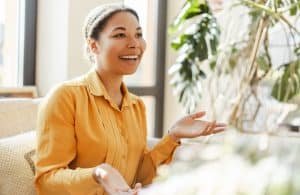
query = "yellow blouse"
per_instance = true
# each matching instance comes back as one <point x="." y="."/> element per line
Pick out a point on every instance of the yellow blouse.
<point x="80" y="127"/>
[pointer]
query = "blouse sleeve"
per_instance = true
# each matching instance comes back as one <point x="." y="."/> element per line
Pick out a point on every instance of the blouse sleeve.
<point x="56" y="148"/>
<point x="162" y="153"/>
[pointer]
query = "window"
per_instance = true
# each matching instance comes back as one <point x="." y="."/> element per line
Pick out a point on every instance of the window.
<point x="148" y="81"/>
<point x="8" y="43"/>
<point x="17" y="42"/>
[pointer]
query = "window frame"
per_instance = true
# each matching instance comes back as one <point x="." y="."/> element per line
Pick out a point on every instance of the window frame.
<point x="27" y="42"/>
<point x="157" y="91"/>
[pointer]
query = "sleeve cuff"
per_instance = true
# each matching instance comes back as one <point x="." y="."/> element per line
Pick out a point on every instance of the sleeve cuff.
<point x="87" y="180"/>
<point x="164" y="150"/>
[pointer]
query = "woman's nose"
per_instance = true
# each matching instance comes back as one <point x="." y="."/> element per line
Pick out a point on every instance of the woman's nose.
<point x="132" y="42"/>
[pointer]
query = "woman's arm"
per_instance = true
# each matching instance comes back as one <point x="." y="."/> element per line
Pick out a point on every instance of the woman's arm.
<point x="56" y="148"/>
<point x="187" y="127"/>
<point x="162" y="153"/>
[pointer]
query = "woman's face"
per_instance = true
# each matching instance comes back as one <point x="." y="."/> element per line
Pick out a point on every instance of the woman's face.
<point x="120" y="45"/>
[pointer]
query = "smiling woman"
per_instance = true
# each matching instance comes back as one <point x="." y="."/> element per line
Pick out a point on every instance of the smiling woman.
<point x="92" y="131"/>
<point x="121" y="45"/>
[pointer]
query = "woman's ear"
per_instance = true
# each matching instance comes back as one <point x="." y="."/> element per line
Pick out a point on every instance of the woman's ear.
<point x="93" y="46"/>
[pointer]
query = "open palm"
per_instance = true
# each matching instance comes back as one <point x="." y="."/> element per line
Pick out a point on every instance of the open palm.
<point x="190" y="127"/>
<point x="113" y="182"/>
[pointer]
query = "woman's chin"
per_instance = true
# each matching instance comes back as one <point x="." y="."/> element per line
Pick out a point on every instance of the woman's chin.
<point x="128" y="72"/>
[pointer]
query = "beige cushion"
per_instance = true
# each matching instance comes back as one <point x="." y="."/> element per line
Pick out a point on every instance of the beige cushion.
<point x="16" y="164"/>
<point x="17" y="115"/>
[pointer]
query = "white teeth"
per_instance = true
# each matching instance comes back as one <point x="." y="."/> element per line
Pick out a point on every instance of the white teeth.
<point x="129" y="57"/>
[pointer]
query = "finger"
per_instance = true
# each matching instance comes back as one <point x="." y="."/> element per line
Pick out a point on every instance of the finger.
<point x="211" y="127"/>
<point x="135" y="191"/>
<point x="119" y="187"/>
<point x="108" y="188"/>
<point x="197" y="115"/>
<point x="124" y="193"/>
<point x="219" y="128"/>
<point x="113" y="186"/>
<point x="221" y="125"/>
<point x="138" y="186"/>
<point x="206" y="128"/>
<point x="101" y="173"/>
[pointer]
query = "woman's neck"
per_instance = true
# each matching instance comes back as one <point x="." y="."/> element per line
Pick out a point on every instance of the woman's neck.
<point x="112" y="84"/>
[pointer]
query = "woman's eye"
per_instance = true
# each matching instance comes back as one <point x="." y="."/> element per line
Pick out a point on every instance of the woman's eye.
<point x="139" y="35"/>
<point x="120" y="35"/>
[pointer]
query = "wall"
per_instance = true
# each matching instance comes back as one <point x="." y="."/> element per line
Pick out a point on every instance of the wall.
<point x="52" y="43"/>
<point x="77" y="64"/>
<point x="59" y="41"/>
<point x="172" y="109"/>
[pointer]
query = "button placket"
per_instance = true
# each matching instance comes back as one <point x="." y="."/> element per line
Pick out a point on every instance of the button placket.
<point x="122" y="127"/>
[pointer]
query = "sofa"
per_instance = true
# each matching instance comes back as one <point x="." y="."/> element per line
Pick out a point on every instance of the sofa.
<point x="17" y="145"/>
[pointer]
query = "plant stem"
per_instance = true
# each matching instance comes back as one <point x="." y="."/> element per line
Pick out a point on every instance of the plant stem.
<point x="286" y="21"/>
<point x="260" y="6"/>
<point x="277" y="15"/>
<point x="260" y="35"/>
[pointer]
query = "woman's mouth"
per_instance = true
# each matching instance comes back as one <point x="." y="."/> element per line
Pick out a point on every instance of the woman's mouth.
<point x="129" y="57"/>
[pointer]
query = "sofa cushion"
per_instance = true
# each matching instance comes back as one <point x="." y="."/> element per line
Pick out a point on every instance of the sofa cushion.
<point x="16" y="164"/>
<point x="17" y="115"/>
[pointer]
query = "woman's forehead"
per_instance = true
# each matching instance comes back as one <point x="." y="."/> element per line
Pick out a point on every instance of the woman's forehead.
<point x="122" y="21"/>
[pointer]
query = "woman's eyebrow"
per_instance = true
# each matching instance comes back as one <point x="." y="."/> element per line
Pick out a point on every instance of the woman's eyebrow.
<point x="123" y="28"/>
<point x="118" y="28"/>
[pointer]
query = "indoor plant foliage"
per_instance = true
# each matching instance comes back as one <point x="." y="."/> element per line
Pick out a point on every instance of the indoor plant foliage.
<point x="227" y="63"/>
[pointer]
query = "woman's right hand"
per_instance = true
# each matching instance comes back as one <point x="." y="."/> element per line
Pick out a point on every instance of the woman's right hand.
<point x="112" y="181"/>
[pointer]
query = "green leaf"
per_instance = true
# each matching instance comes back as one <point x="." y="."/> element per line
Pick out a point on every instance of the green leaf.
<point x="190" y="9"/>
<point x="263" y="63"/>
<point x="214" y="42"/>
<point x="181" y="94"/>
<point x="255" y="14"/>
<point x="293" y="10"/>
<point x="294" y="7"/>
<point x="297" y="51"/>
<point x="180" y="41"/>
<point x="212" y="63"/>
<point x="232" y="62"/>
<point x="197" y="44"/>
<point x="288" y="84"/>
<point x="202" y="49"/>
<point x="174" y="68"/>
<point x="202" y="74"/>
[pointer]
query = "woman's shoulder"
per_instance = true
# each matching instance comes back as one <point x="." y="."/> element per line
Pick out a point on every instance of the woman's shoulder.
<point x="135" y="99"/>
<point x="67" y="88"/>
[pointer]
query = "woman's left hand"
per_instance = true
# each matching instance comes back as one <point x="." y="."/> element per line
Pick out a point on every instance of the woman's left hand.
<point x="189" y="127"/>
